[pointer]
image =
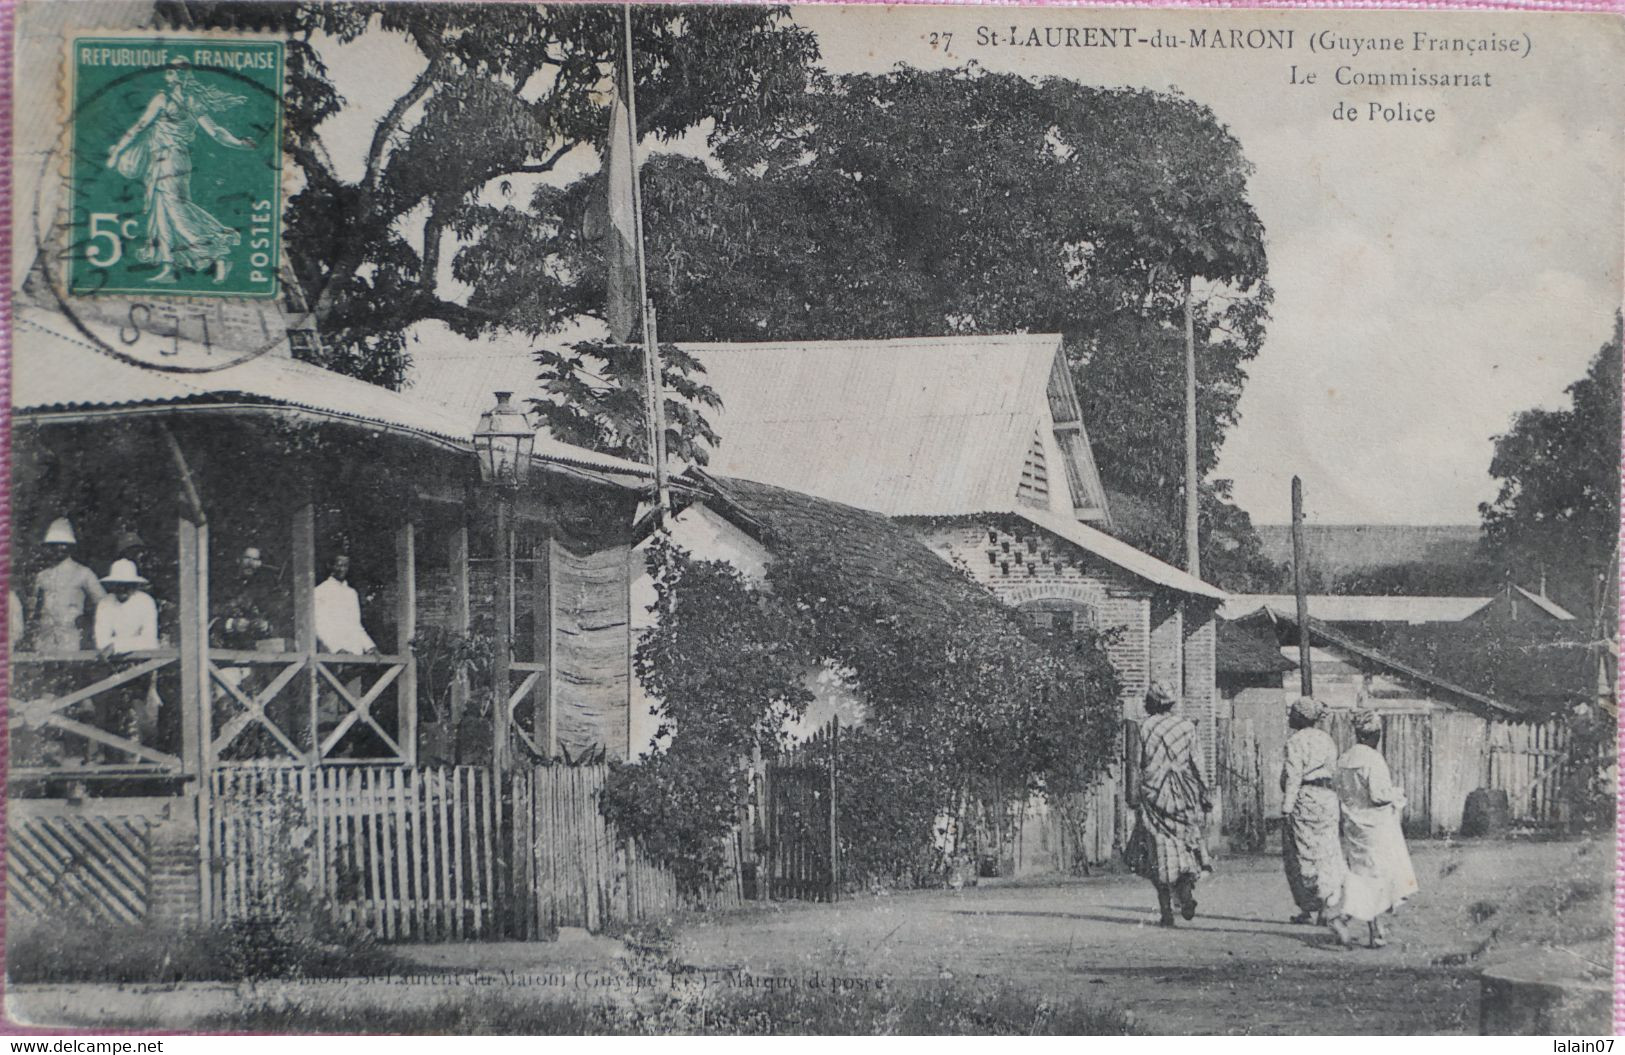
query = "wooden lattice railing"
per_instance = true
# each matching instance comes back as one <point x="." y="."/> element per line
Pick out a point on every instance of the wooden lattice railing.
<point x="251" y="683"/>
<point x="51" y="691"/>
<point x="92" y="864"/>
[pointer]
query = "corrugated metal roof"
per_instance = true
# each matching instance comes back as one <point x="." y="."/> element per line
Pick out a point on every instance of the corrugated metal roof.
<point x="54" y="370"/>
<point x="1323" y="633"/>
<point x="907" y="427"/>
<point x="1340" y="608"/>
<point x="463" y="379"/>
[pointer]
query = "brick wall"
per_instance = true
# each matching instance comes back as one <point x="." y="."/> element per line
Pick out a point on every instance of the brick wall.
<point x="1028" y="565"/>
<point x="1168" y="644"/>
<point x="1200" y="671"/>
<point x="172" y="877"/>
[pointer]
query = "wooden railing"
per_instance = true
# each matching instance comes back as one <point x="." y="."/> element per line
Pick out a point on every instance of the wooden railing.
<point x="44" y="689"/>
<point x="323" y="672"/>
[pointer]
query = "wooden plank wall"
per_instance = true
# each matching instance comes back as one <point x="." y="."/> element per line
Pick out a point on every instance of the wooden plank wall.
<point x="437" y="854"/>
<point x="1436" y="758"/>
<point x="571" y="867"/>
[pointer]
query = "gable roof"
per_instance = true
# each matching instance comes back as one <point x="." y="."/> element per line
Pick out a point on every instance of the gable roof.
<point x="1535" y="667"/>
<point x="1351" y="608"/>
<point x="1547" y="605"/>
<point x="920" y="426"/>
<point x="55" y="373"/>
<point x="1323" y="634"/>
<point x="1239" y="652"/>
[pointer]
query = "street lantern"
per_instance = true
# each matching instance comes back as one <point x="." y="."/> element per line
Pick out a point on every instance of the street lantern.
<point x="505" y="442"/>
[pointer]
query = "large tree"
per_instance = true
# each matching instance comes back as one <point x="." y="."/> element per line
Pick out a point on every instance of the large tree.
<point x="500" y="93"/>
<point x="1557" y="507"/>
<point x="919" y="203"/>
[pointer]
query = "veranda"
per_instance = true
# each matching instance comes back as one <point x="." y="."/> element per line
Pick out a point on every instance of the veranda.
<point x="399" y="766"/>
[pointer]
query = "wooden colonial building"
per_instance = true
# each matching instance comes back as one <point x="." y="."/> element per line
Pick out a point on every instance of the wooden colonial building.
<point x="978" y="446"/>
<point x="302" y="465"/>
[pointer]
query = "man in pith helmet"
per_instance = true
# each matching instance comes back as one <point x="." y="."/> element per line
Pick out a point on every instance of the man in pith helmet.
<point x="63" y="593"/>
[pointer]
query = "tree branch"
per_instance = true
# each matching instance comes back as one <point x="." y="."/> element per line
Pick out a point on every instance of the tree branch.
<point x="392" y="120"/>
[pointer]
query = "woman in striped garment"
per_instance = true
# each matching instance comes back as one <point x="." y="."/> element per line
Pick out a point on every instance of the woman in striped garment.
<point x="1168" y="846"/>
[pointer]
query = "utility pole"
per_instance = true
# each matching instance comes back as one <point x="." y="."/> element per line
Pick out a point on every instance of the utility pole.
<point x="1193" y="546"/>
<point x="1306" y="677"/>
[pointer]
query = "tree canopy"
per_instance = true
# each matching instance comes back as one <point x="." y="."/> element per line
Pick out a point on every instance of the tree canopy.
<point x="1557" y="506"/>
<point x="502" y="93"/>
<point x="908" y="203"/>
<point x="921" y="203"/>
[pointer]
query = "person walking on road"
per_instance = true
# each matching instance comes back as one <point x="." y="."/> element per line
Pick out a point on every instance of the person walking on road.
<point x="1168" y="846"/>
<point x="1380" y="876"/>
<point x="1310" y="847"/>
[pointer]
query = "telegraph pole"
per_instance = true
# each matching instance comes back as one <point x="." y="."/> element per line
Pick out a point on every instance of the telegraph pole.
<point x="1306" y="678"/>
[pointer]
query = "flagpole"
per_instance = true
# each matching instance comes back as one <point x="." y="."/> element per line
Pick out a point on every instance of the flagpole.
<point x="651" y="351"/>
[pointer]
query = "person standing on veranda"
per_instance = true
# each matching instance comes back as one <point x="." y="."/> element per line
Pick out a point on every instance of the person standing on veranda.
<point x="65" y="594"/>
<point x="1310" y="848"/>
<point x="1380" y="876"/>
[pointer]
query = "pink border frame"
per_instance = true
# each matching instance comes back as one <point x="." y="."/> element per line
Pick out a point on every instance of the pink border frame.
<point x="7" y="34"/>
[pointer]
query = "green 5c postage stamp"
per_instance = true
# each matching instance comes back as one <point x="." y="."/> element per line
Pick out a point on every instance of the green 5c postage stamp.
<point x="175" y="166"/>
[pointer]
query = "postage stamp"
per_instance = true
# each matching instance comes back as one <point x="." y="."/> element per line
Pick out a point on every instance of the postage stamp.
<point x="175" y="162"/>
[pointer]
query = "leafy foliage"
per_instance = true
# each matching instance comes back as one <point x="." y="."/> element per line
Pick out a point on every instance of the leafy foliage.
<point x="1558" y="501"/>
<point x="727" y="661"/>
<point x="966" y="709"/>
<point x="595" y="399"/>
<point x="503" y="93"/>
<point x="919" y="203"/>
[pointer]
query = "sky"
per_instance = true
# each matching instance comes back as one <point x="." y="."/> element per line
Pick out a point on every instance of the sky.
<point x="1431" y="280"/>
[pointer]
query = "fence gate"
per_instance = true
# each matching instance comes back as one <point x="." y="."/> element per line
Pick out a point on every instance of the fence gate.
<point x="803" y="844"/>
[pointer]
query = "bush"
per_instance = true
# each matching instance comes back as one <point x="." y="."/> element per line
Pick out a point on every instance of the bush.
<point x="65" y="948"/>
<point x="906" y="1009"/>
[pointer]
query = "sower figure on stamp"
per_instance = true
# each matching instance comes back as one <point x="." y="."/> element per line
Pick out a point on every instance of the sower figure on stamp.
<point x="1310" y="848"/>
<point x="157" y="151"/>
<point x="1168" y="845"/>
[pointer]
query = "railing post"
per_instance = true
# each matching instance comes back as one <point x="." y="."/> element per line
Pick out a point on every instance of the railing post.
<point x="193" y="646"/>
<point x="458" y="560"/>
<point x="197" y="746"/>
<point x="406" y="617"/>
<point x="302" y="554"/>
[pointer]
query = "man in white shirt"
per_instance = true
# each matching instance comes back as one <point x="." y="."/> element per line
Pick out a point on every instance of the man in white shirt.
<point x="339" y="629"/>
<point x="126" y="622"/>
<point x="127" y="618"/>
<point x="338" y="612"/>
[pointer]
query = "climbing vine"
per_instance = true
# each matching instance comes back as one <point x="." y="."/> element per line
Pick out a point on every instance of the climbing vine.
<point x="968" y="710"/>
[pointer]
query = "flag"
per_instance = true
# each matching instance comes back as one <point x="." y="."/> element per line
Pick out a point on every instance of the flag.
<point x="620" y="233"/>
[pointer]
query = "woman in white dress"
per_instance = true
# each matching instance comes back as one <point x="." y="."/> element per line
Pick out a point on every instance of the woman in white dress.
<point x="1380" y="877"/>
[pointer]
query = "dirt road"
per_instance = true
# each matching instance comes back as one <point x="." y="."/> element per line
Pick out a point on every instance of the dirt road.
<point x="1238" y="968"/>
